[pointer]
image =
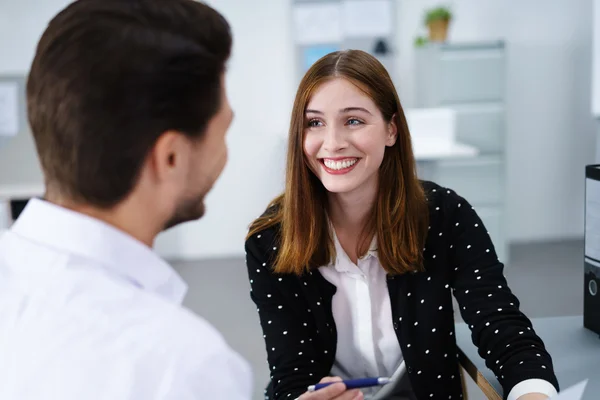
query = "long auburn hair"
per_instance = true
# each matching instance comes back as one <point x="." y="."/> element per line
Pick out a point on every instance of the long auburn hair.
<point x="400" y="215"/>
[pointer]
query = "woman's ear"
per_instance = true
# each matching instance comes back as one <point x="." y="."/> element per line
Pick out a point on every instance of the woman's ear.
<point x="392" y="133"/>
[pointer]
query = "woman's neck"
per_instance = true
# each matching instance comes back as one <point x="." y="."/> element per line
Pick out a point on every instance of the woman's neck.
<point x="349" y="214"/>
<point x="350" y="211"/>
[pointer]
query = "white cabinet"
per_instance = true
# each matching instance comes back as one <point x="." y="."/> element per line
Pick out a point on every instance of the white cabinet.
<point x="470" y="79"/>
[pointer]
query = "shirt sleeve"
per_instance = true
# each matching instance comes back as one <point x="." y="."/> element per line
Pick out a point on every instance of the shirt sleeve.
<point x="532" y="386"/>
<point x="220" y="374"/>
<point x="196" y="363"/>
<point x="223" y="375"/>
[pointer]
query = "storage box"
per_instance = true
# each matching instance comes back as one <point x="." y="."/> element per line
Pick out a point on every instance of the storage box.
<point x="591" y="297"/>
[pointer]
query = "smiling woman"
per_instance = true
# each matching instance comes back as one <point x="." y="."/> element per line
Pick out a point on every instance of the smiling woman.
<point x="352" y="268"/>
<point x="347" y="110"/>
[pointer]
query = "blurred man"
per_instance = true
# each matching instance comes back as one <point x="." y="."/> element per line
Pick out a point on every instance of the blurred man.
<point x="128" y="110"/>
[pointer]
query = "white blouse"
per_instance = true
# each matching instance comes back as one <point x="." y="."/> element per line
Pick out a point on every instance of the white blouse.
<point x="367" y="345"/>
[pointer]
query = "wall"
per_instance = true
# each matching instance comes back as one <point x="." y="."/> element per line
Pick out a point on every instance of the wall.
<point x="550" y="129"/>
<point x="596" y="71"/>
<point x="261" y="89"/>
<point x="21" y="24"/>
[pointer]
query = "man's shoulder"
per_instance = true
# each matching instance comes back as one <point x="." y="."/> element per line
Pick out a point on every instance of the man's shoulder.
<point x="174" y="335"/>
<point x="146" y="320"/>
<point x="187" y="329"/>
<point x="166" y="325"/>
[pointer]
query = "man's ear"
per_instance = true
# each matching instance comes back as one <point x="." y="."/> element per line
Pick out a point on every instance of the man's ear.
<point x="168" y="155"/>
<point x="392" y="133"/>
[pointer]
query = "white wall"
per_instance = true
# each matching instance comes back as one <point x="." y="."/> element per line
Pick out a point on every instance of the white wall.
<point x="596" y="58"/>
<point x="551" y="135"/>
<point x="260" y="84"/>
<point x="21" y="24"/>
<point x="596" y="71"/>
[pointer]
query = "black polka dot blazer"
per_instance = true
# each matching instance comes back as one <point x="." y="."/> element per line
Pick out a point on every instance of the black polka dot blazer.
<point x="460" y="260"/>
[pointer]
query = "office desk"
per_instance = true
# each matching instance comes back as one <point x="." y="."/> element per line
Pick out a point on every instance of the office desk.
<point x="575" y="354"/>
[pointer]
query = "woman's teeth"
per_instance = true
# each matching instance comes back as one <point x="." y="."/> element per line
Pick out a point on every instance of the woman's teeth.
<point x="337" y="165"/>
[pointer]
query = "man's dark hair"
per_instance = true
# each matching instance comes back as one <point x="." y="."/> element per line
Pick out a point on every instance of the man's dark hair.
<point x="109" y="77"/>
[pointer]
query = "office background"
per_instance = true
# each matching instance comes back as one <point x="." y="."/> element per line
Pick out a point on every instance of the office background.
<point x="550" y="129"/>
<point x="550" y="137"/>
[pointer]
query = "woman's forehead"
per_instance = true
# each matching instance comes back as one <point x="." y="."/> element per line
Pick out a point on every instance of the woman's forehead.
<point x="338" y="94"/>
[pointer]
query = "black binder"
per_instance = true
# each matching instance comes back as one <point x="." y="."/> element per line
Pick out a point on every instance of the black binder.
<point x="591" y="262"/>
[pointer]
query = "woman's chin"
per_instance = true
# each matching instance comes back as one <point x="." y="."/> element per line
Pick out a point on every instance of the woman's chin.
<point x="340" y="187"/>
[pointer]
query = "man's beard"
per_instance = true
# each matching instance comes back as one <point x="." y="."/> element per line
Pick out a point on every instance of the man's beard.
<point x="188" y="210"/>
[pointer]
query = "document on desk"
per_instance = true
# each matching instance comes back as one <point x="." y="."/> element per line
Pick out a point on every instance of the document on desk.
<point x="575" y="392"/>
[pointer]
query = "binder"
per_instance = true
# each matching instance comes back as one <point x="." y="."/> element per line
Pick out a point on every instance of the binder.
<point x="591" y="263"/>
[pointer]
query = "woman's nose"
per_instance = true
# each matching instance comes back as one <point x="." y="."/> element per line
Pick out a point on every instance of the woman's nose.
<point x="335" y="140"/>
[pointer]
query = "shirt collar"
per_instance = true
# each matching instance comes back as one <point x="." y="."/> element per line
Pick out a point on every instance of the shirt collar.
<point x="342" y="261"/>
<point x="90" y="238"/>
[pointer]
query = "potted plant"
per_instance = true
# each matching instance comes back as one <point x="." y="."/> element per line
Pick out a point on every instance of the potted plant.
<point x="437" y="21"/>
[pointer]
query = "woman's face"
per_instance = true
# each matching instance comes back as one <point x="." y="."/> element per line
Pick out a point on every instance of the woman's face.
<point x="345" y="137"/>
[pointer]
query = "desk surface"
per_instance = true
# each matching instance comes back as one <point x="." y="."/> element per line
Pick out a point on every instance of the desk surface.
<point x="575" y="352"/>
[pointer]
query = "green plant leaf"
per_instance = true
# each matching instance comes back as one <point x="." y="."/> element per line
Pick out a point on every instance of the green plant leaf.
<point x="438" y="14"/>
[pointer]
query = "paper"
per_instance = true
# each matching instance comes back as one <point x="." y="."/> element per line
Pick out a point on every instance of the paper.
<point x="367" y="18"/>
<point x="592" y="219"/>
<point x="575" y="392"/>
<point x="9" y="109"/>
<point x="317" y="23"/>
<point x="313" y="53"/>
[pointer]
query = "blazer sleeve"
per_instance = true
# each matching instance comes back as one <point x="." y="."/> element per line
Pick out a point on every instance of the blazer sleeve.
<point x="503" y="335"/>
<point x="287" y="329"/>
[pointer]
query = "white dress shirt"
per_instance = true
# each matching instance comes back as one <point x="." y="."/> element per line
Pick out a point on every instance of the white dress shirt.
<point x="88" y="312"/>
<point x="367" y="345"/>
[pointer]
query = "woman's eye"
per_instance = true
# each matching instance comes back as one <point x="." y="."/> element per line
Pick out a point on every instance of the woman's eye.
<point x="314" y="123"/>
<point x="354" y="121"/>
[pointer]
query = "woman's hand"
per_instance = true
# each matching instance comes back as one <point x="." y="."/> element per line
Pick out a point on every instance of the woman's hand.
<point x="336" y="391"/>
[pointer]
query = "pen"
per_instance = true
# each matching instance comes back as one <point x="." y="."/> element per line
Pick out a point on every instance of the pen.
<point x="353" y="383"/>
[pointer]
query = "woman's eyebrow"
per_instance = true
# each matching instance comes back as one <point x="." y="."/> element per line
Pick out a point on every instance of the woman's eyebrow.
<point x="342" y="111"/>
<point x="314" y="112"/>
<point x="348" y="109"/>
